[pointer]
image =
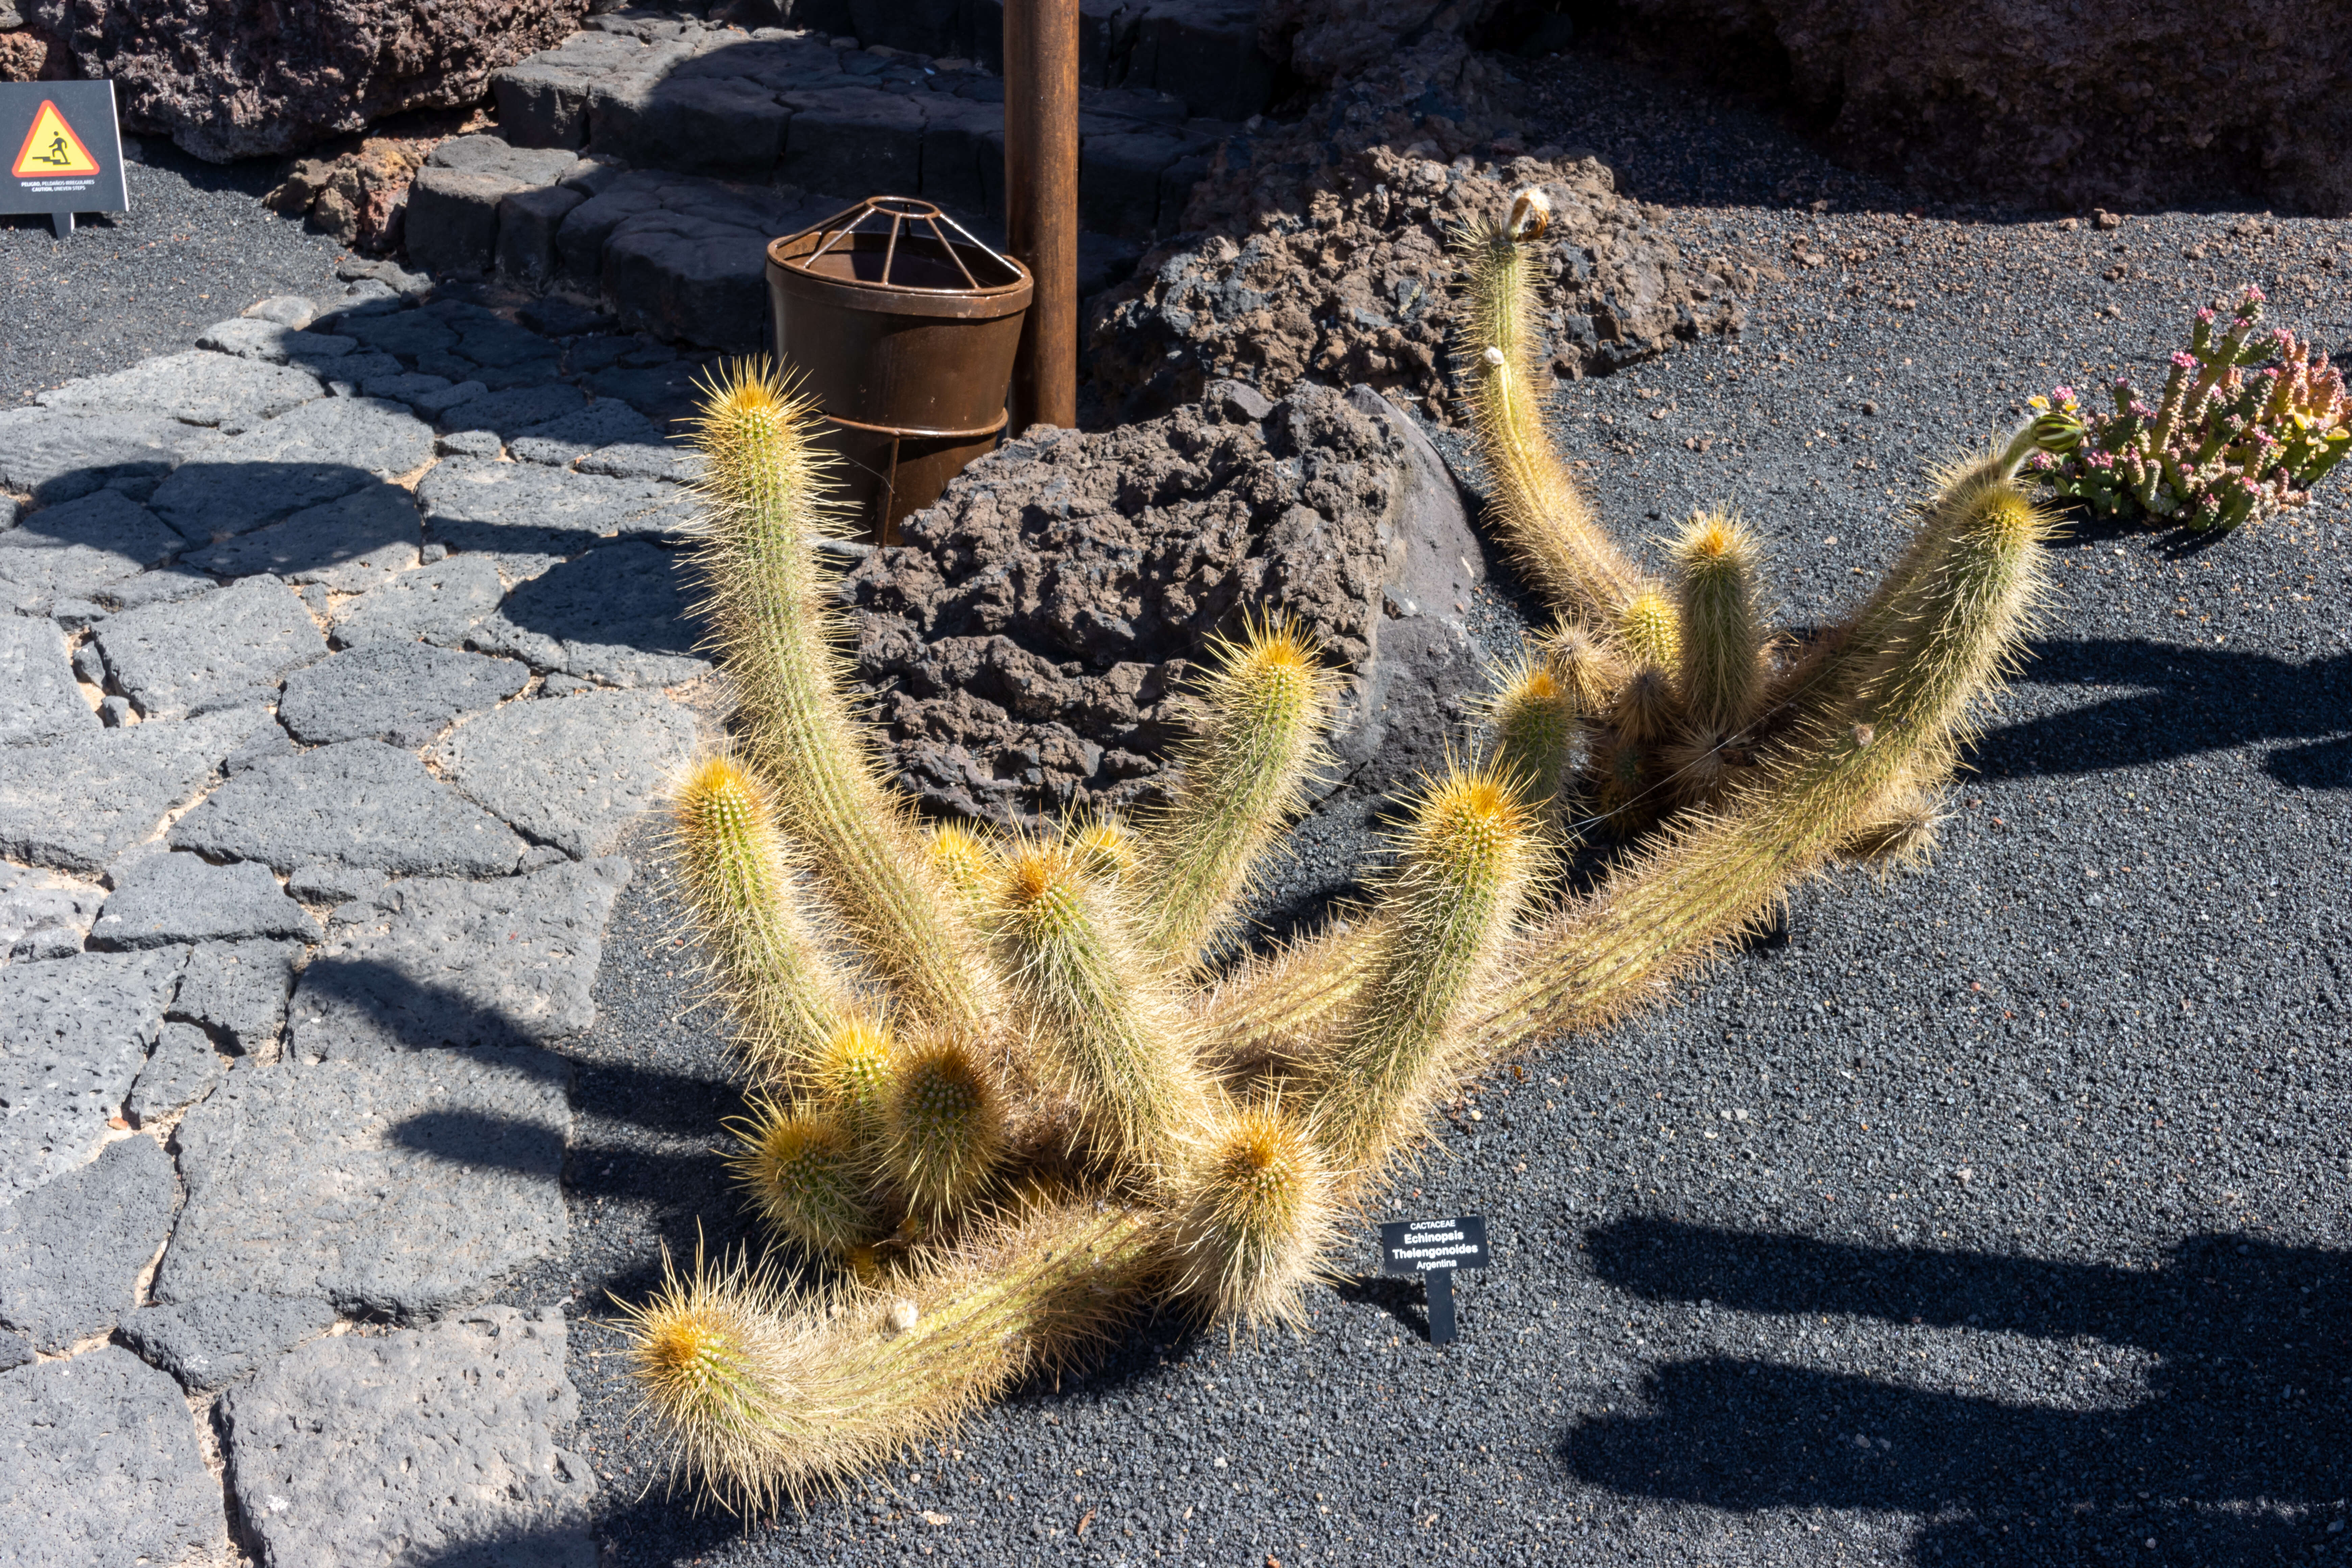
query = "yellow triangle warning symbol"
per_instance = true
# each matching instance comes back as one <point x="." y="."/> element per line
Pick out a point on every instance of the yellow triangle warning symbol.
<point x="52" y="148"/>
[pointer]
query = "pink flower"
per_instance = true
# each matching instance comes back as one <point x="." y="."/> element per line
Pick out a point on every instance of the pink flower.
<point x="2184" y="361"/>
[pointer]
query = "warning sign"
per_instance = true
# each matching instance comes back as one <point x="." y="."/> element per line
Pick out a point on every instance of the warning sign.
<point x="67" y="152"/>
<point x="52" y="148"/>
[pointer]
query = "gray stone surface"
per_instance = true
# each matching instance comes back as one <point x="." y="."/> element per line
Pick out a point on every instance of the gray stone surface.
<point x="570" y="771"/>
<point x="56" y="457"/>
<point x="78" y="803"/>
<point x="194" y="387"/>
<point x="71" y="1252"/>
<point x="360" y="801"/>
<point x="99" y="1468"/>
<point x="276" y="343"/>
<point x="180" y="1071"/>
<point x="36" y="671"/>
<point x="16" y="1350"/>
<point x="401" y="693"/>
<point x="528" y="512"/>
<point x="43" y="915"/>
<point x="298" y="460"/>
<point x="469" y="444"/>
<point x="352" y="544"/>
<point x="455" y="1425"/>
<point x="518" y="409"/>
<point x="437" y="603"/>
<point x="446" y="962"/>
<point x="237" y="991"/>
<point x="619" y="615"/>
<point x="168" y="586"/>
<point x="293" y="310"/>
<point x="73" y="1035"/>
<point x="74" y="550"/>
<point x="606" y="422"/>
<point x="216" y="650"/>
<point x="672" y="461"/>
<point x="333" y="883"/>
<point x="403" y="1186"/>
<point x="213" y="1341"/>
<point x="175" y="898"/>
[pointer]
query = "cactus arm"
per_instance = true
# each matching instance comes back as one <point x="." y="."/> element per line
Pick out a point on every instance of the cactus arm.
<point x="1468" y="862"/>
<point x="764" y="1402"/>
<point x="763" y="513"/>
<point x="1721" y="670"/>
<point x="735" y="872"/>
<point x="1253" y="1215"/>
<point x="1714" y="877"/>
<point x="1102" y="1028"/>
<point x="1242" y="777"/>
<point x="1545" y="521"/>
<point x="1536" y="730"/>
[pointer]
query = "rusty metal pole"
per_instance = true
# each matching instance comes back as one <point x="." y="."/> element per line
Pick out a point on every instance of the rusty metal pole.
<point x="1041" y="200"/>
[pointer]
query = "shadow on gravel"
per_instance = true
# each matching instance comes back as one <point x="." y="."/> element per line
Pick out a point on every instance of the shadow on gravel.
<point x="1403" y="1299"/>
<point x="2193" y="699"/>
<point x="2247" y="1416"/>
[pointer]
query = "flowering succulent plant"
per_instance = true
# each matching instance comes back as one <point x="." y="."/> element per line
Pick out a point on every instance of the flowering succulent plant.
<point x="2222" y="443"/>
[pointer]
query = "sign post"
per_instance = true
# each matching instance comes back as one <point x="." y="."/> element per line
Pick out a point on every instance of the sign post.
<point x="1041" y="202"/>
<point x="1434" y="1248"/>
<point x="64" y="150"/>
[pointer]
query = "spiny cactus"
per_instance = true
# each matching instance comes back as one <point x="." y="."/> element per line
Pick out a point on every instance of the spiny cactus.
<point x="2221" y="446"/>
<point x="1008" y="1080"/>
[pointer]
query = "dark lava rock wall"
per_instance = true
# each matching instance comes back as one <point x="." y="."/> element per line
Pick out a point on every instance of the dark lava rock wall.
<point x="2064" y="102"/>
<point x="235" y="79"/>
<point x="1308" y="262"/>
<point x="1030" y="643"/>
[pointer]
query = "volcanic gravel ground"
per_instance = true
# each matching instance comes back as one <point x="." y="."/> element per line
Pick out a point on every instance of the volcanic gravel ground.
<point x="196" y="245"/>
<point x="1996" y="1214"/>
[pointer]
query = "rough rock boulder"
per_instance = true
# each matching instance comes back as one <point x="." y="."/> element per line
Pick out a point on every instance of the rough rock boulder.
<point x="245" y="77"/>
<point x="1030" y="642"/>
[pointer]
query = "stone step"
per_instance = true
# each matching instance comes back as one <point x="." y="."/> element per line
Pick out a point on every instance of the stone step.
<point x="646" y="164"/>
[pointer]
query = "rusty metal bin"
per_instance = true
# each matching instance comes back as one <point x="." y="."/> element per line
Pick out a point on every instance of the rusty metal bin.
<point x="906" y="337"/>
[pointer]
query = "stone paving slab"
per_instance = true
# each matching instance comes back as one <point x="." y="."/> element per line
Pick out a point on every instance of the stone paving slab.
<point x="433" y="1446"/>
<point x="313" y="454"/>
<point x="446" y="962"/>
<point x="276" y="343"/>
<point x="80" y="803"/>
<point x="525" y="515"/>
<point x="180" y="1071"/>
<point x="36" y="672"/>
<point x="60" y="455"/>
<point x="360" y="801"/>
<point x="177" y="898"/>
<point x="620" y="616"/>
<point x="194" y="387"/>
<point x="213" y="1341"/>
<point x="402" y="693"/>
<point x="224" y="649"/>
<point x="42" y="914"/>
<point x="606" y="422"/>
<point x="77" y="549"/>
<point x="71" y="1252"/>
<point x="99" y="1468"/>
<point x="572" y="772"/>
<point x="237" y="991"/>
<point x="439" y="603"/>
<point x="74" y="1033"/>
<point x="351" y="544"/>
<point x="403" y="1186"/>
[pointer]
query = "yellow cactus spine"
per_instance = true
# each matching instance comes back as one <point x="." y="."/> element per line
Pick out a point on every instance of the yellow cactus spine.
<point x="854" y="1071"/>
<point x="733" y="867"/>
<point x="1467" y="859"/>
<point x="1945" y="643"/>
<point x="1254" y="1215"/>
<point x="1242" y="777"/>
<point x="1534" y="719"/>
<point x="763" y="514"/>
<point x="1101" y="1027"/>
<point x="943" y="1126"/>
<point x="1547" y="523"/>
<point x="801" y="1166"/>
<point x="1720" y="675"/>
<point x="707" y="1355"/>
<point x="767" y="1402"/>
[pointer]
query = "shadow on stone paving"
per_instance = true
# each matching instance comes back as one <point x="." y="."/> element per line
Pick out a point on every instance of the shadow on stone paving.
<point x="2246" y="1423"/>
<point x="2190" y="699"/>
